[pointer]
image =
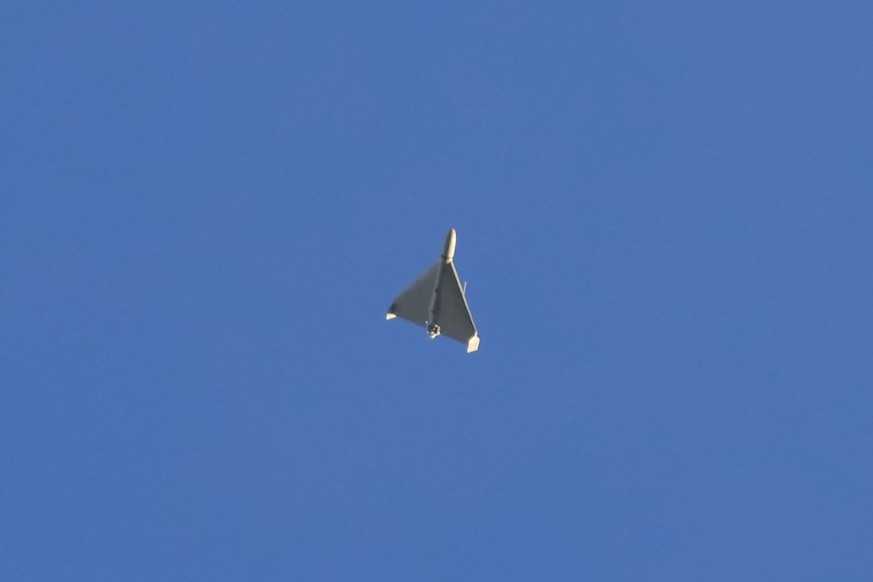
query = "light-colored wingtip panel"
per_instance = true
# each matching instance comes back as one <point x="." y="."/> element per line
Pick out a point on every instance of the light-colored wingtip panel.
<point x="473" y="344"/>
<point x="390" y="315"/>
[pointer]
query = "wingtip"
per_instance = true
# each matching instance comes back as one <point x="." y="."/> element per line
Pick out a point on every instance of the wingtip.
<point x="389" y="316"/>
<point x="473" y="344"/>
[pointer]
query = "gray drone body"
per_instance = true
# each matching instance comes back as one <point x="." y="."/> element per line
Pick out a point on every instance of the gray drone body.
<point x="437" y="302"/>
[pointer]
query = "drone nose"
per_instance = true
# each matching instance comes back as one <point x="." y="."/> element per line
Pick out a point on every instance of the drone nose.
<point x="449" y="246"/>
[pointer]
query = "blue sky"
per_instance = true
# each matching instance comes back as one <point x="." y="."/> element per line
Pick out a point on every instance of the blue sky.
<point x="664" y="214"/>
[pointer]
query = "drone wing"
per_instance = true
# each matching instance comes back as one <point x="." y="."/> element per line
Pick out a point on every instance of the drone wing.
<point x="455" y="319"/>
<point x="413" y="304"/>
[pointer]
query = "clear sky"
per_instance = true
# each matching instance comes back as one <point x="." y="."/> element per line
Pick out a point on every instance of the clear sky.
<point x="664" y="214"/>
